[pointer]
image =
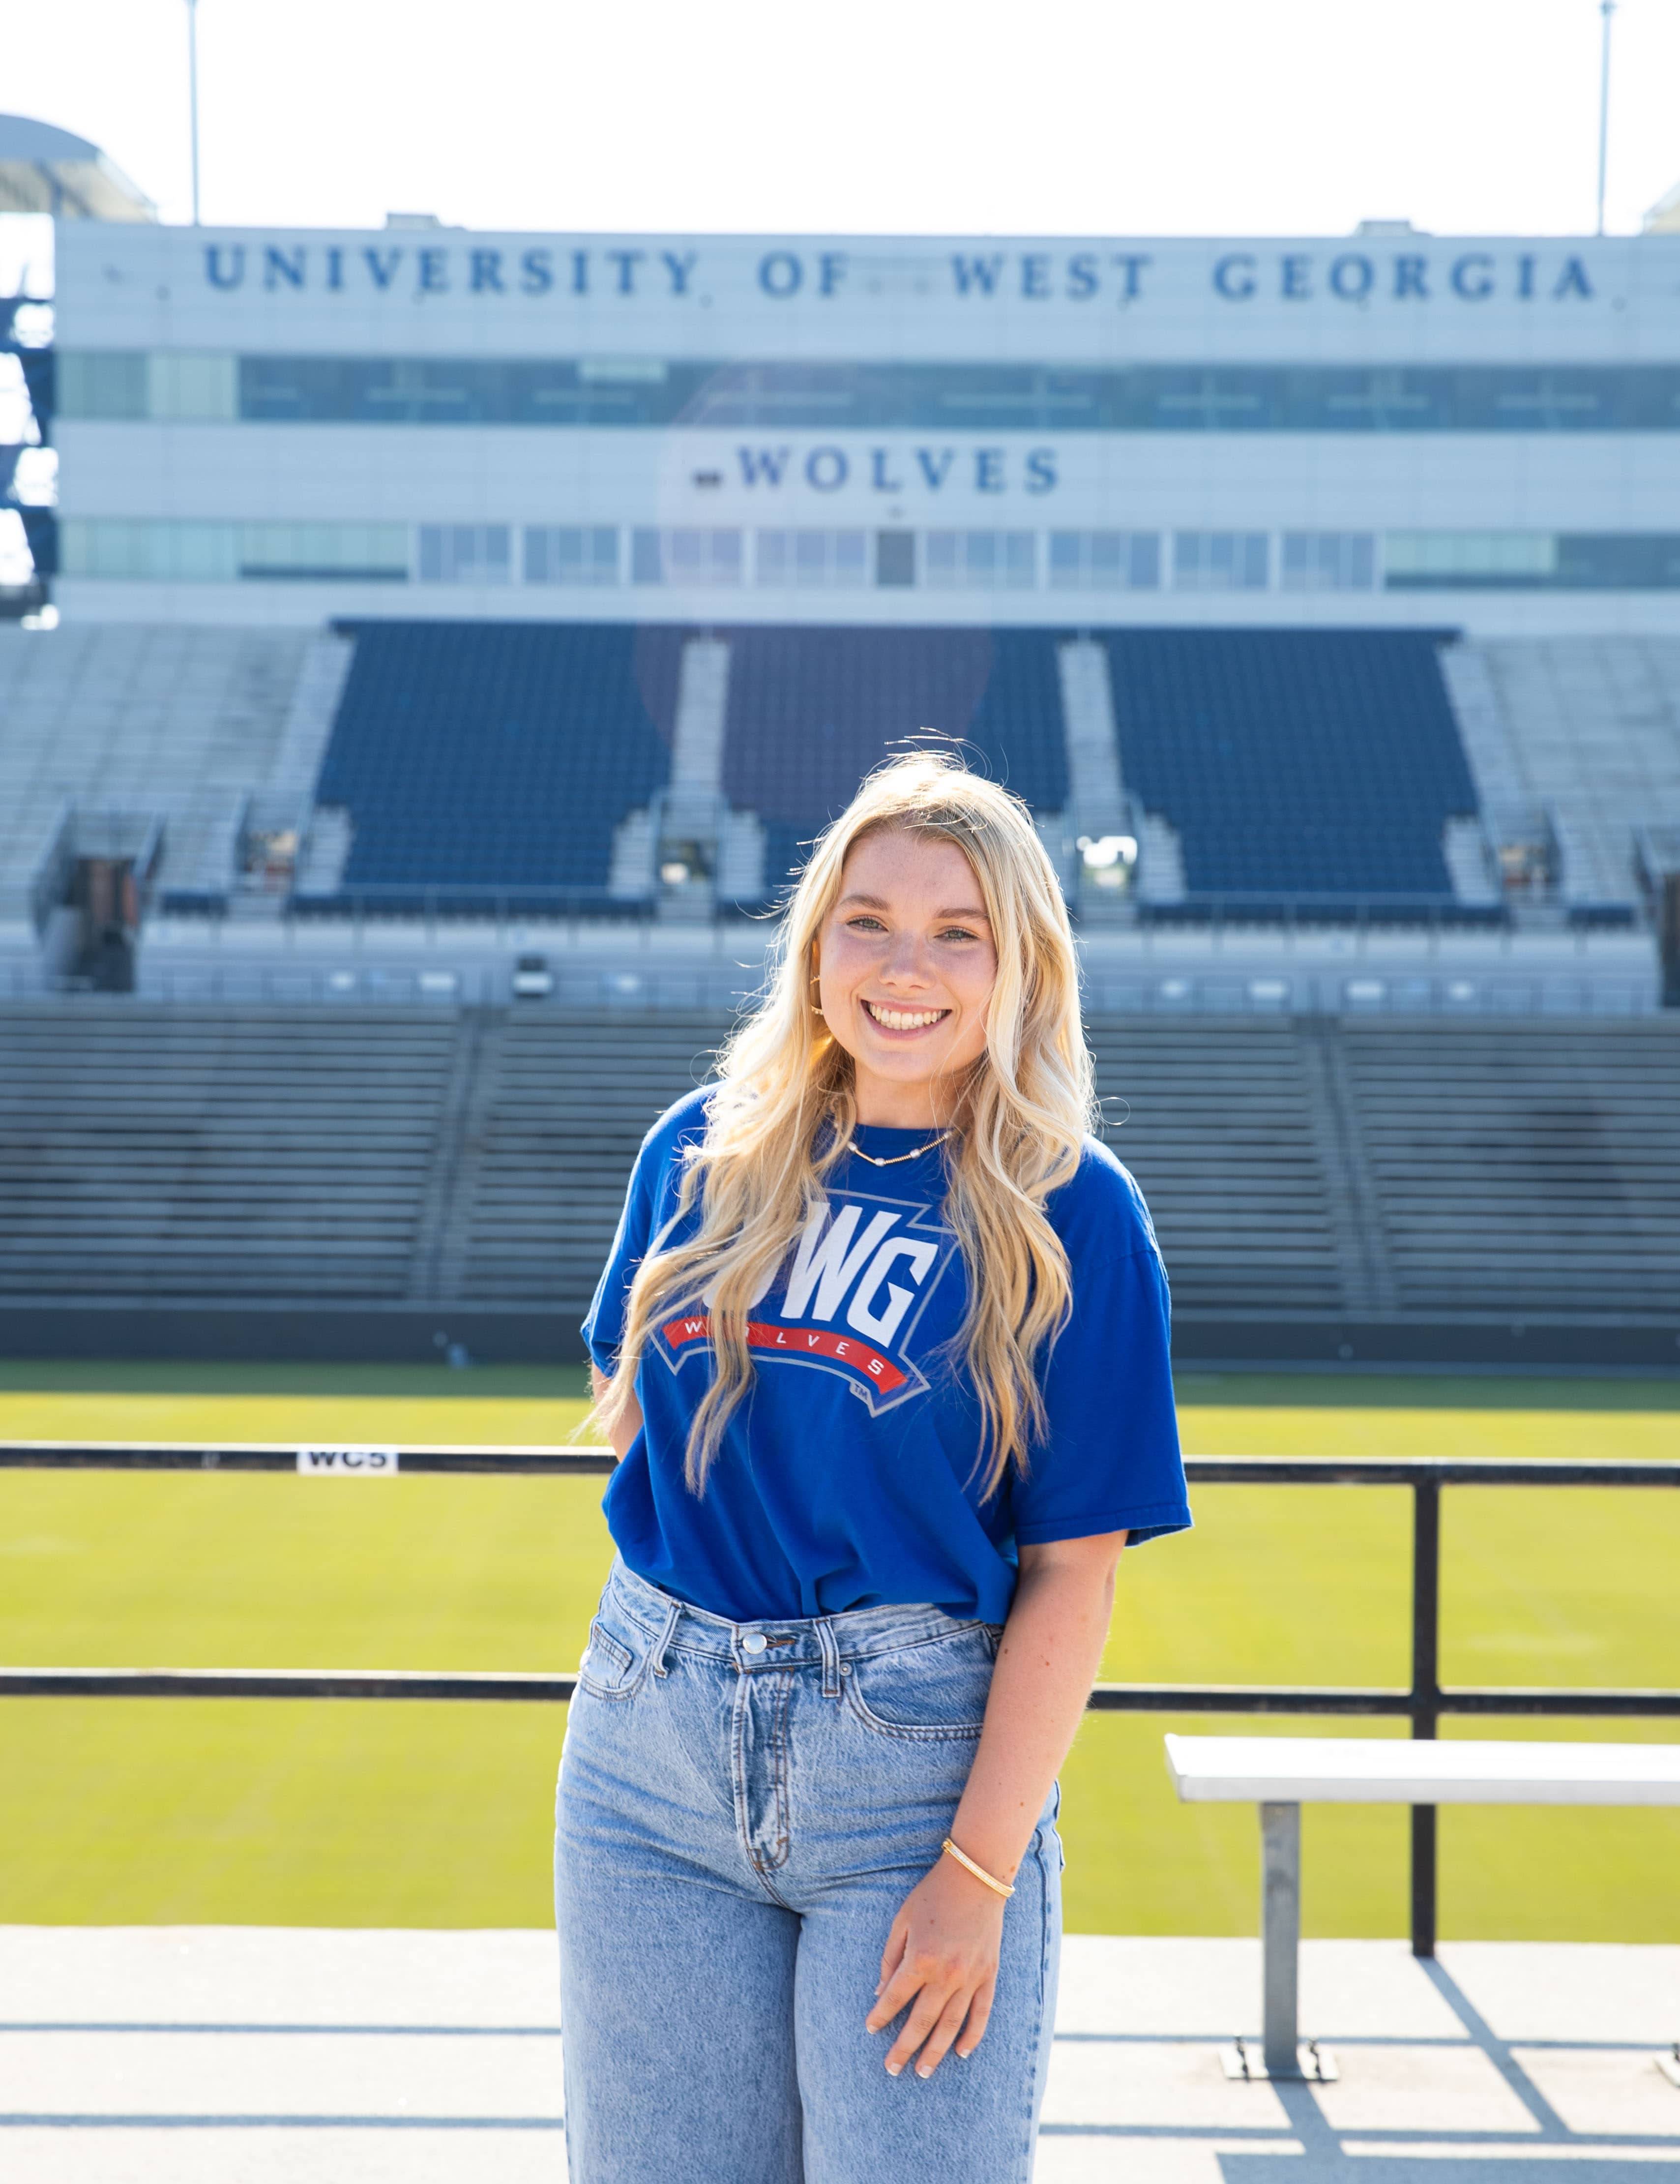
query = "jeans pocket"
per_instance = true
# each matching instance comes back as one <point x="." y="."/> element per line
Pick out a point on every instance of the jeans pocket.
<point x="931" y="1693"/>
<point x="608" y="1670"/>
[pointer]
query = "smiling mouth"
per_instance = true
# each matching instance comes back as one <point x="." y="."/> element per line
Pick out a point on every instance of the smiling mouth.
<point x="891" y="1019"/>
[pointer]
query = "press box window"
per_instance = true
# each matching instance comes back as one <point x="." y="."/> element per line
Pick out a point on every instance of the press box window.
<point x="1221" y="560"/>
<point x="1105" y="560"/>
<point x="895" y="560"/>
<point x="979" y="560"/>
<point x="1329" y="560"/>
<point x="323" y="553"/>
<point x="685" y="557"/>
<point x="465" y="553"/>
<point x="811" y="560"/>
<point x="185" y="551"/>
<point x="570" y="553"/>
<point x="1508" y="560"/>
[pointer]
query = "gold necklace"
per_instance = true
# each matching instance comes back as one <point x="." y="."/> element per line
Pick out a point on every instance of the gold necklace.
<point x="894" y="1160"/>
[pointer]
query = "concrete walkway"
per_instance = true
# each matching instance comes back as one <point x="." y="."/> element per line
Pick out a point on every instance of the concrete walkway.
<point x="207" y="2055"/>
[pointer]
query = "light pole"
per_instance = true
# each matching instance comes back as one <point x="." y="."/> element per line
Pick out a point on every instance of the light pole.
<point x="192" y="96"/>
<point x="1606" y="9"/>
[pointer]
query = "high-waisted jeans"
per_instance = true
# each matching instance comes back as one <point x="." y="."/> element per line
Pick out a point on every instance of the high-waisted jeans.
<point x="742" y="1808"/>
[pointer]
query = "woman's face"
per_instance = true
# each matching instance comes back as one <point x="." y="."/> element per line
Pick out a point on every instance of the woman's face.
<point x="906" y="963"/>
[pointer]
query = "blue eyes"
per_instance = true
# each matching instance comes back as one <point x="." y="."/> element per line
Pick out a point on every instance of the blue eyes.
<point x="867" y="924"/>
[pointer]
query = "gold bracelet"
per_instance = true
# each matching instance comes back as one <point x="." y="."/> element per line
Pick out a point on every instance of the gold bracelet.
<point x="998" y="1887"/>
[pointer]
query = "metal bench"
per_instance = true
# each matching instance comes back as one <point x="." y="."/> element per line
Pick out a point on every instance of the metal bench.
<point x="1280" y="1773"/>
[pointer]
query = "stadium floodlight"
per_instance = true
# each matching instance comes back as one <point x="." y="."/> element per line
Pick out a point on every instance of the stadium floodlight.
<point x="1101" y="851"/>
<point x="192" y="95"/>
<point x="1606" y="9"/>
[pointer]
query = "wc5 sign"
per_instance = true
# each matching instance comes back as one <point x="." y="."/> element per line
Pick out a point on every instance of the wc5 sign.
<point x="347" y="1462"/>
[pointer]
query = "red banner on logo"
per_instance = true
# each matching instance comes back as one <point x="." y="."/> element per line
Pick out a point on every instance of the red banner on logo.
<point x="798" y="1342"/>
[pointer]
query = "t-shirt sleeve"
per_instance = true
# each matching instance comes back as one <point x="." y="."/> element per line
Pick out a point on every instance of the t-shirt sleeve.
<point x="647" y="1205"/>
<point x="1110" y="1460"/>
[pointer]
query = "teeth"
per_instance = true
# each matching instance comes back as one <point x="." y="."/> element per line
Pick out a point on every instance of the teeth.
<point x="904" y="1019"/>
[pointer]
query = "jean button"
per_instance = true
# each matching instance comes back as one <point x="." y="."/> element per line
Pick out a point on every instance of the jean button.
<point x="753" y="1642"/>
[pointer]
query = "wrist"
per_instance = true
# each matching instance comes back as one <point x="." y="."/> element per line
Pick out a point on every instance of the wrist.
<point x="997" y="1880"/>
<point x="1000" y="1851"/>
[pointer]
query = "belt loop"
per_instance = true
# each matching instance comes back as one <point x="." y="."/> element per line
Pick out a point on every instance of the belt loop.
<point x="664" y="1638"/>
<point x="831" y="1657"/>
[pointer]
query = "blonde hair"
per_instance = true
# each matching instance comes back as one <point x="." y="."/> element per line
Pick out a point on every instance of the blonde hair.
<point x="784" y="1110"/>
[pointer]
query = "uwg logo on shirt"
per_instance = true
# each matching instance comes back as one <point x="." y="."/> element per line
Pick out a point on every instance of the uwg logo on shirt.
<point x="855" y="1289"/>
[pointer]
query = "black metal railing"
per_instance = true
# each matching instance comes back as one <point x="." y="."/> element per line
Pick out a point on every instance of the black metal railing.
<point x="1423" y="1702"/>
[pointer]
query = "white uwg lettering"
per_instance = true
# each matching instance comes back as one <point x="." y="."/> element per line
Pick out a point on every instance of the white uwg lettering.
<point x="830" y="1263"/>
<point x="881" y="1326"/>
<point x="347" y="1462"/>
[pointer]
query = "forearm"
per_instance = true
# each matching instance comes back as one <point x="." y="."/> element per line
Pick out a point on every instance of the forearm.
<point x="1052" y="1646"/>
<point x="627" y="1425"/>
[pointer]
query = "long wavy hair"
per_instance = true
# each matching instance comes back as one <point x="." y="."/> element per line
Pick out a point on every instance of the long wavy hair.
<point x="785" y="1108"/>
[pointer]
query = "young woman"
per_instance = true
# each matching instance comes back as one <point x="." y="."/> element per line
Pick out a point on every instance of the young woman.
<point x="882" y="1348"/>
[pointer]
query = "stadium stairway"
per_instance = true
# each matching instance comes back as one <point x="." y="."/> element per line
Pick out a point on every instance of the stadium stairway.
<point x="196" y="1182"/>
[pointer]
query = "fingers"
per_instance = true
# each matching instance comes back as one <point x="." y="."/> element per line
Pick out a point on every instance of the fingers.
<point x="899" y="1992"/>
<point x="925" y="2012"/>
<point x="893" y="1954"/>
<point x="945" y="2027"/>
<point x="979" y="2017"/>
<point x="943" y="2017"/>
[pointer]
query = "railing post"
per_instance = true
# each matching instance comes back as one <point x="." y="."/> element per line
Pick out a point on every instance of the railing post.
<point x="1425" y="1697"/>
<point x="1280" y="1938"/>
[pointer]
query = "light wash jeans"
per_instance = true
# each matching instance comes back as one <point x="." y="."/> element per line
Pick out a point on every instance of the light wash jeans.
<point x="742" y="1808"/>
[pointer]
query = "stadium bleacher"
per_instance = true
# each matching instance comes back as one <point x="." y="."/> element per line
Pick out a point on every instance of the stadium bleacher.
<point x="175" y="722"/>
<point x="1550" y="1174"/>
<point x="1266" y="772"/>
<point x="283" y="1182"/>
<point x="478" y="757"/>
<point x="562" y="1104"/>
<point x="1577" y="737"/>
<point x="197" y="1157"/>
<point x="1294" y="764"/>
<point x="811" y="712"/>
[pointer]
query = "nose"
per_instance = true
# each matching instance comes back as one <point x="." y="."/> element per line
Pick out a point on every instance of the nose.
<point x="904" y="961"/>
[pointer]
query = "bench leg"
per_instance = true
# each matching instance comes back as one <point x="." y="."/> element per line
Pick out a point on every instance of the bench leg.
<point x="1281" y="1934"/>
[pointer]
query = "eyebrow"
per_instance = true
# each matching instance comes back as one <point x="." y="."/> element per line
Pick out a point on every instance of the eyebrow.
<point x="874" y="902"/>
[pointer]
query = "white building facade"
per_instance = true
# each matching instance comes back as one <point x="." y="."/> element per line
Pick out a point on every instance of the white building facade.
<point x="285" y="426"/>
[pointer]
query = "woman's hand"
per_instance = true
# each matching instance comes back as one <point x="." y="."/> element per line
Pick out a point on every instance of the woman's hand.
<point x="940" y="1963"/>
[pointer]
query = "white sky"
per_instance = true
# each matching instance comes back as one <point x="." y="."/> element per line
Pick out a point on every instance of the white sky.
<point x="1246" y="117"/>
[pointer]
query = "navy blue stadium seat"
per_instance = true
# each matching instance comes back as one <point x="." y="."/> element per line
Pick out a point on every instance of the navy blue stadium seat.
<point x="1294" y="763"/>
<point x="482" y="755"/>
<point x="811" y="711"/>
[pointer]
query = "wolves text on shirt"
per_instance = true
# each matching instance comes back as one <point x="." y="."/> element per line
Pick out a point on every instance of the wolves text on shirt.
<point x="851" y="1300"/>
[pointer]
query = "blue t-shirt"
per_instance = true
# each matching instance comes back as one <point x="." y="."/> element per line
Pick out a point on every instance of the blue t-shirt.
<point x="846" y="1478"/>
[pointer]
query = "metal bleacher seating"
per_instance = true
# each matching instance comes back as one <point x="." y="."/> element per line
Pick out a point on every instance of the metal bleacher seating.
<point x="1522" y="1169"/>
<point x="1223" y="1125"/>
<point x="563" y="1102"/>
<point x="1316" y="765"/>
<point x="167" y="1155"/>
<point x="811" y="711"/>
<point x="1321" y="1187"/>
<point x="174" y="721"/>
<point x="1585" y="730"/>
<point x="474" y="758"/>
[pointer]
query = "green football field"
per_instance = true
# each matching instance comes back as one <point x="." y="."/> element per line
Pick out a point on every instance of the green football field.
<point x="334" y="1814"/>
